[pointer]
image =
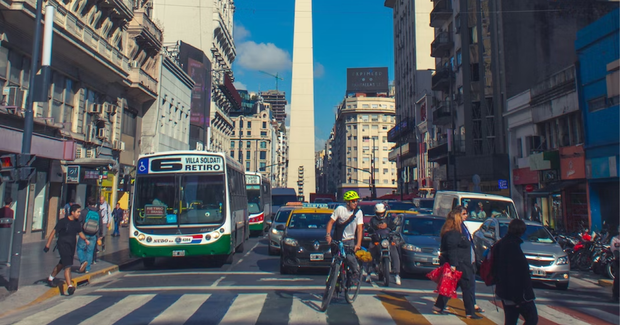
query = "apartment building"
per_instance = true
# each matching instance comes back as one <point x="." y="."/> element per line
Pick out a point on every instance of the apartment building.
<point x="106" y="67"/>
<point x="253" y="142"/>
<point x="278" y="102"/>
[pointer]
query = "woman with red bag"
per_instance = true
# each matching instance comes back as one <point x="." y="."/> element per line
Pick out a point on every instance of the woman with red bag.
<point x="456" y="251"/>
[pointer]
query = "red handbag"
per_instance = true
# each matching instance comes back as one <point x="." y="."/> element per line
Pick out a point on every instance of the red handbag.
<point x="446" y="280"/>
<point x="435" y="275"/>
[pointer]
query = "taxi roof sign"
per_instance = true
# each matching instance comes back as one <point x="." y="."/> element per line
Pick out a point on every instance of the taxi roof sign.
<point x="315" y="205"/>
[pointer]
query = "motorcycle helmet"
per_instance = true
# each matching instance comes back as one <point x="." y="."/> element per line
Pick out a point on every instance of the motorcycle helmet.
<point x="380" y="210"/>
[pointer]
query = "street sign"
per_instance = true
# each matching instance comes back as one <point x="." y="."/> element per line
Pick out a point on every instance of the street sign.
<point x="73" y="175"/>
<point x="502" y="184"/>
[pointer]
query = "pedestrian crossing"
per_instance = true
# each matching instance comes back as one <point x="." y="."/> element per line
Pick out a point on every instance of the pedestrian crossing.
<point x="286" y="308"/>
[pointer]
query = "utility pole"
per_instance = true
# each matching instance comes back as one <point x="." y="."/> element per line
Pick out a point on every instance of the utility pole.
<point x="26" y="159"/>
<point x="240" y="141"/>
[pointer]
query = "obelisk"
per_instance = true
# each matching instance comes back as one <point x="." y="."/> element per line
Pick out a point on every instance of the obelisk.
<point x="301" y="141"/>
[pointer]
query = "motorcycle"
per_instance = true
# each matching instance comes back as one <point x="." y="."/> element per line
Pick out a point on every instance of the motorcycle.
<point x="383" y="266"/>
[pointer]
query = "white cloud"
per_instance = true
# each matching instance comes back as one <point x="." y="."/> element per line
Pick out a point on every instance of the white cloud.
<point x="287" y="109"/>
<point x="319" y="144"/>
<point x="240" y="33"/>
<point x="267" y="57"/>
<point x="239" y="85"/>
<point x="319" y="70"/>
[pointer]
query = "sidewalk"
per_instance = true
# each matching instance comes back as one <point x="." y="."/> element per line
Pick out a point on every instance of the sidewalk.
<point x="36" y="266"/>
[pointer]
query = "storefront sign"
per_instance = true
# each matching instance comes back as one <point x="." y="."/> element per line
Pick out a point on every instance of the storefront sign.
<point x="604" y="167"/>
<point x="544" y="160"/>
<point x="524" y="176"/>
<point x="529" y="188"/>
<point x="572" y="163"/>
<point x="73" y="174"/>
<point x="181" y="164"/>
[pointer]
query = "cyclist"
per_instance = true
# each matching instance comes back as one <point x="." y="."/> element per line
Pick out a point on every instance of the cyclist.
<point x="349" y="221"/>
<point x="382" y="226"/>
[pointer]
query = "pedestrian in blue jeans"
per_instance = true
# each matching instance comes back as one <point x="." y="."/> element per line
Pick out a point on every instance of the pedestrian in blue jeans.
<point x="118" y="217"/>
<point x="92" y="226"/>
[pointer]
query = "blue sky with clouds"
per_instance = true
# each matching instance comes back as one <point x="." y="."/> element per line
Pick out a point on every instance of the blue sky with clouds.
<point x="347" y="34"/>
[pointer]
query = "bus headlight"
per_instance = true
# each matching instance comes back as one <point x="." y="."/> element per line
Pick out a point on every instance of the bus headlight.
<point x="149" y="239"/>
<point x="135" y="233"/>
<point x="216" y="235"/>
<point x="207" y="237"/>
<point x="290" y="242"/>
<point x="141" y="237"/>
<point x="222" y="230"/>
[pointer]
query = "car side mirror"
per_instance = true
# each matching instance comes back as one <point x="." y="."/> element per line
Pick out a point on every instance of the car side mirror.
<point x="280" y="227"/>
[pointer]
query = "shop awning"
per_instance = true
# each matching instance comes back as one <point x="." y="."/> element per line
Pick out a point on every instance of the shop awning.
<point x="553" y="188"/>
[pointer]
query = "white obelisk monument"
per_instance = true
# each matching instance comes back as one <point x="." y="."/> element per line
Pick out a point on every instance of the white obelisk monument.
<point x="301" y="141"/>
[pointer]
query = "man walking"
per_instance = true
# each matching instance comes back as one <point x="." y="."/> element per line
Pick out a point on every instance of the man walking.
<point x="106" y="215"/>
<point x="92" y="224"/>
<point x="67" y="229"/>
<point x="535" y="216"/>
<point x="118" y="217"/>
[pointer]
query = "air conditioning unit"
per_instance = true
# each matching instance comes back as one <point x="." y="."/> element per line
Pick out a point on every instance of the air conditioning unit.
<point x="102" y="134"/>
<point x="79" y="153"/>
<point x="91" y="133"/>
<point x="119" y="145"/>
<point x="91" y="153"/>
<point x="94" y="109"/>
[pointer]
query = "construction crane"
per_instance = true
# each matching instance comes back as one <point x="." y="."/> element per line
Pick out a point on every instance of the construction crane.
<point x="277" y="76"/>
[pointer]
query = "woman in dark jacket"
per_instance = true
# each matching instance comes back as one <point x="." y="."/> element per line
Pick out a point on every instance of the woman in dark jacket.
<point x="456" y="250"/>
<point x="512" y="275"/>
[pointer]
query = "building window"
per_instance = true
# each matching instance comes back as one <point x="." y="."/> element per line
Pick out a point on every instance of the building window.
<point x="263" y="133"/>
<point x="232" y="144"/>
<point x="247" y="154"/>
<point x="385" y="160"/>
<point x="262" y="166"/>
<point x="384" y="139"/>
<point x="233" y="132"/>
<point x="365" y="148"/>
<point x="354" y="127"/>
<point x="384" y="118"/>
<point x="375" y="127"/>
<point x="385" y="171"/>
<point x="264" y="125"/>
<point x="247" y="166"/>
<point x="129" y="123"/>
<point x="375" y="106"/>
<point x="249" y="124"/>
<point x="248" y="144"/>
<point x="365" y="106"/>
<point x="364" y="118"/>
<point x="233" y="123"/>
<point x="375" y="118"/>
<point x="232" y="154"/>
<point x="475" y="73"/>
<point x="263" y="144"/>
<point x="365" y="160"/>
<point x="263" y="155"/>
<point x="355" y="148"/>
<point x="519" y="148"/>
<point x="459" y="58"/>
<point x="385" y="148"/>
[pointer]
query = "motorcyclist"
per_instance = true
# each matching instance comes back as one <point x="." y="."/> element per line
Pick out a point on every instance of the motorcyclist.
<point x="381" y="225"/>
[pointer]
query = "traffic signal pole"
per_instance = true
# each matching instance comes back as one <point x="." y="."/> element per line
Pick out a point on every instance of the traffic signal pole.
<point x="22" y="196"/>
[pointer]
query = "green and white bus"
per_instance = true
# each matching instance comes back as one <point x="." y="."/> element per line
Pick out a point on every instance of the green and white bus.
<point x="259" y="201"/>
<point x="188" y="203"/>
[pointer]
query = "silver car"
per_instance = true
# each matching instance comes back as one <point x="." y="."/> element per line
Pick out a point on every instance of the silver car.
<point x="548" y="262"/>
<point x="275" y="235"/>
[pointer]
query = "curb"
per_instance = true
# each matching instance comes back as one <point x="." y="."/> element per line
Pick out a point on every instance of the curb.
<point x="605" y="283"/>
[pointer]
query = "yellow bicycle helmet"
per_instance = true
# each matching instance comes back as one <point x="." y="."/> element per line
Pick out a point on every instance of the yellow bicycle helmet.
<point x="350" y="195"/>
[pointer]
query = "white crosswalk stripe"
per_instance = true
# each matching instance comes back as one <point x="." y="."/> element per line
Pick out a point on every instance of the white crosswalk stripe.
<point x="249" y="308"/>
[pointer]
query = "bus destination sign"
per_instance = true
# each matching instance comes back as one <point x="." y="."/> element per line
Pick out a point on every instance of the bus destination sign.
<point x="252" y="179"/>
<point x="181" y="164"/>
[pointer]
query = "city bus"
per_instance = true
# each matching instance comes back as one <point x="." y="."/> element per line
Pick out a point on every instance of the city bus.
<point x="258" y="188"/>
<point x="188" y="203"/>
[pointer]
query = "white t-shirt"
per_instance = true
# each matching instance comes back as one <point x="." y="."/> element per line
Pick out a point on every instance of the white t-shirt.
<point x="341" y="215"/>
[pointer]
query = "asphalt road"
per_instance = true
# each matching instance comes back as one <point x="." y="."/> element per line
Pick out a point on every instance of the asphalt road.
<point x="252" y="291"/>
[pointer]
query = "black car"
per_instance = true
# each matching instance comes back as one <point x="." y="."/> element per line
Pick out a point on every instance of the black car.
<point x="303" y="241"/>
<point x="420" y="252"/>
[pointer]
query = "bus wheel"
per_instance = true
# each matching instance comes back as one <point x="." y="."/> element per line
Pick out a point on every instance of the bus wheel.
<point x="239" y="248"/>
<point x="148" y="262"/>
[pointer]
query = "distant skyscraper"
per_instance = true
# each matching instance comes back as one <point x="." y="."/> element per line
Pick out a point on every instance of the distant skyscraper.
<point x="277" y="99"/>
<point x="301" y="144"/>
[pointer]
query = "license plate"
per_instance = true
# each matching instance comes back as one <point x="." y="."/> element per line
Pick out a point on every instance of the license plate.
<point x="435" y="261"/>
<point x="538" y="272"/>
<point x="316" y="257"/>
<point x="178" y="253"/>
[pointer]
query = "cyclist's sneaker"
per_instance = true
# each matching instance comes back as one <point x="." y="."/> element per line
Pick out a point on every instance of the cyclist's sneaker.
<point x="368" y="278"/>
<point x="397" y="278"/>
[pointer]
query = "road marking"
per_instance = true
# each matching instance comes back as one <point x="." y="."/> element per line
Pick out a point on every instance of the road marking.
<point x="51" y="314"/>
<point x="250" y="251"/>
<point x="304" y="311"/>
<point x="608" y="317"/>
<point x="132" y="275"/>
<point x="569" y="316"/>
<point x="245" y="310"/>
<point x="285" y="279"/>
<point x="119" y="310"/>
<point x="181" y="310"/>
<point x="218" y="281"/>
<point x="425" y="306"/>
<point x="492" y="312"/>
<point x="459" y="309"/>
<point x="401" y="310"/>
<point x="369" y="313"/>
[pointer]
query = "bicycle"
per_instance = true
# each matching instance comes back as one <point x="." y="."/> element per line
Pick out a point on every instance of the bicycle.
<point x="338" y="278"/>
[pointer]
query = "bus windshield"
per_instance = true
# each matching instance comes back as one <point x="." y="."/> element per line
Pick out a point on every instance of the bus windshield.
<point x="254" y="201"/>
<point x="180" y="200"/>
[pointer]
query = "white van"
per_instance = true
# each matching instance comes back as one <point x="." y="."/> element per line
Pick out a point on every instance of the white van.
<point x="479" y="206"/>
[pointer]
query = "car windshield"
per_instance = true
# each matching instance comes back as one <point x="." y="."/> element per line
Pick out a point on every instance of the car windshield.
<point x="480" y="209"/>
<point x="180" y="200"/>
<point x="254" y="204"/>
<point x="281" y="200"/>
<point x="426" y="204"/>
<point x="533" y="233"/>
<point x="309" y="220"/>
<point x="282" y="215"/>
<point x="422" y="226"/>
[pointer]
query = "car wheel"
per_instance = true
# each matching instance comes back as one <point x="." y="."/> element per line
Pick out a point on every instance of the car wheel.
<point x="562" y="285"/>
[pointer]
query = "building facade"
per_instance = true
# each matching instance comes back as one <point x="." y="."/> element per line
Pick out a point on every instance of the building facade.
<point x="598" y="74"/>
<point x="105" y="64"/>
<point x="252" y="142"/>
<point x="278" y="102"/>
<point x="359" y="149"/>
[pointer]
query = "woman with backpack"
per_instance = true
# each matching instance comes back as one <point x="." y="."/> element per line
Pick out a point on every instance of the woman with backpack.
<point x="92" y="225"/>
<point x="456" y="251"/>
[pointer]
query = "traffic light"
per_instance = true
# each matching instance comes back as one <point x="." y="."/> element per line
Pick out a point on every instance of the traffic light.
<point x="8" y="169"/>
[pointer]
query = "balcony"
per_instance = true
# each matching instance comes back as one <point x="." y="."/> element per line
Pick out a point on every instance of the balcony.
<point x="145" y="31"/>
<point x="438" y="150"/>
<point x="143" y="86"/>
<point x="224" y="41"/>
<point x="442" y="114"/>
<point x="441" y="46"/>
<point x="122" y="9"/>
<point x="442" y="12"/>
<point x="442" y="79"/>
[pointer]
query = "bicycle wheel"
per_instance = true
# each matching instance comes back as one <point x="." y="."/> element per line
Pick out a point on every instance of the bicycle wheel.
<point x="350" y="292"/>
<point x="330" y="285"/>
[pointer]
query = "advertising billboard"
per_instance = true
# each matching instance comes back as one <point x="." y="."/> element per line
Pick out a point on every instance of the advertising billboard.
<point x="367" y="80"/>
<point x="198" y="67"/>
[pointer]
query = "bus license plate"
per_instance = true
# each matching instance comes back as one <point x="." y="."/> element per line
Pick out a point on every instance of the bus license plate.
<point x="178" y="253"/>
<point x="538" y="272"/>
<point x="435" y="261"/>
<point x="316" y="257"/>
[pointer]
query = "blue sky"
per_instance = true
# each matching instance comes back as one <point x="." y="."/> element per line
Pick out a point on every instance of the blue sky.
<point x="347" y="34"/>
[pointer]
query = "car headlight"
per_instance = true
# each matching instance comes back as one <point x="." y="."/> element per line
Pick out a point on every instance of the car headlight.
<point x="290" y="242"/>
<point x="562" y="260"/>
<point x="412" y="248"/>
<point x="385" y="243"/>
<point x="275" y="231"/>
